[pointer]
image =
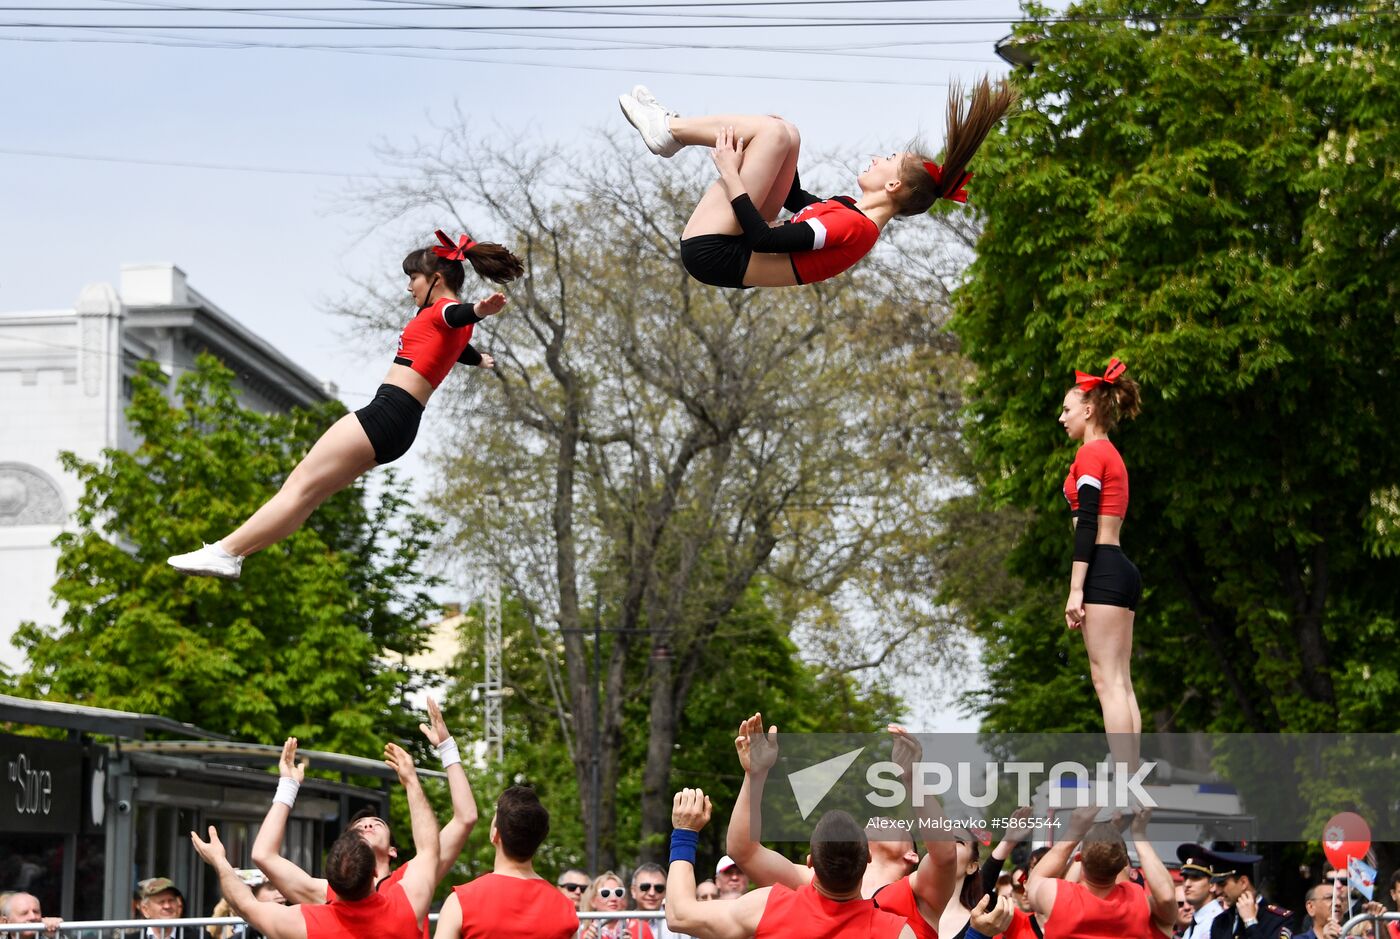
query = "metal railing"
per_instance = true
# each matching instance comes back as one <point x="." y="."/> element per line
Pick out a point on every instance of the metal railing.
<point x="1375" y="919"/>
<point x="99" y="928"/>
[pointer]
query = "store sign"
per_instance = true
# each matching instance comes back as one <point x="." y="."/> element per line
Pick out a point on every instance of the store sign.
<point x="40" y="785"/>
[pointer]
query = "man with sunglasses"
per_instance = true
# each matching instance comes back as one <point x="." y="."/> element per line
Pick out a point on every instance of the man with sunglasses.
<point x="572" y="883"/>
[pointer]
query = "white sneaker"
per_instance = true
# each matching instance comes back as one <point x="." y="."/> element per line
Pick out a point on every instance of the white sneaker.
<point x="652" y="121"/>
<point x="209" y="561"/>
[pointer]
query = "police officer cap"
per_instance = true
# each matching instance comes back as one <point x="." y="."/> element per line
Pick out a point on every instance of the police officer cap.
<point x="1195" y="860"/>
<point x="1233" y="863"/>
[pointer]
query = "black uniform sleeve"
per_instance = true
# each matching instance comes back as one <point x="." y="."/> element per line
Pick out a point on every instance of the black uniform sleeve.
<point x="460" y="314"/>
<point x="469" y="356"/>
<point x="760" y="236"/>
<point x="1086" y="529"/>
<point x="797" y="197"/>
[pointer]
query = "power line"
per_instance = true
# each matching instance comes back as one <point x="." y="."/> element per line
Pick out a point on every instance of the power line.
<point x="180" y="164"/>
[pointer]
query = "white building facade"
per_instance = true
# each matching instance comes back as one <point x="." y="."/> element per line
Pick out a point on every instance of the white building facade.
<point x="65" y="383"/>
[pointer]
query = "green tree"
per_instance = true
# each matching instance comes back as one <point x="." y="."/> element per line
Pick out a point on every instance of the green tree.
<point x="1209" y="191"/>
<point x="308" y="643"/>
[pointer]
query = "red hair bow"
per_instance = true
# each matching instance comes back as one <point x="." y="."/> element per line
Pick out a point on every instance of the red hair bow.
<point x="1086" y="382"/>
<point x="957" y="195"/>
<point x="451" y="252"/>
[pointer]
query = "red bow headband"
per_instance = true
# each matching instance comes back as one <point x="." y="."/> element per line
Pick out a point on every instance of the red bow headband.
<point x="957" y="195"/>
<point x="1086" y="382"/>
<point x="451" y="252"/>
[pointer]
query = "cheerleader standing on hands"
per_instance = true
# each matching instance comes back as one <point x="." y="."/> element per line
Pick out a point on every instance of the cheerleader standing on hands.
<point x="1104" y="586"/>
<point x="383" y="430"/>
<point x="730" y="241"/>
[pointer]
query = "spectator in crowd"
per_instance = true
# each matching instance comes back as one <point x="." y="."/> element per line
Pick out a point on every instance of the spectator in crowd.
<point x="605" y="895"/>
<point x="1394" y="928"/>
<point x="511" y="902"/>
<point x="706" y="890"/>
<point x="829" y="904"/>
<point x="159" y="898"/>
<point x="362" y="909"/>
<point x="1185" y="912"/>
<point x="1317" y="904"/>
<point x="21" y="907"/>
<point x="648" y="893"/>
<point x="263" y="891"/>
<point x="572" y="884"/>
<point x="730" y="879"/>
<point x="1104" y="903"/>
<point x="1196" y="882"/>
<point x="300" y="887"/>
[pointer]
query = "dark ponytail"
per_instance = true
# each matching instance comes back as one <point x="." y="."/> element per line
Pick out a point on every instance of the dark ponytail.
<point x="490" y="261"/>
<point x="1120" y="400"/>
<point x="968" y="125"/>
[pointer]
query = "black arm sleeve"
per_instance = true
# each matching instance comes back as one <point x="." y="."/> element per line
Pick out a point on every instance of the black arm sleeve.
<point x="797" y="197"/>
<point x="460" y="314"/>
<point x="760" y="236"/>
<point x="469" y="356"/>
<point x="1086" y="529"/>
<point x="991" y="870"/>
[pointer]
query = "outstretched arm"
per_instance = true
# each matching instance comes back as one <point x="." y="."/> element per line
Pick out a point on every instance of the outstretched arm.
<point x="458" y="315"/>
<point x="718" y="919"/>
<point x="763" y="866"/>
<point x="1161" y="892"/>
<point x="935" y="879"/>
<point x="271" y="919"/>
<point x="453" y="836"/>
<point x="295" y="884"/>
<point x="421" y="878"/>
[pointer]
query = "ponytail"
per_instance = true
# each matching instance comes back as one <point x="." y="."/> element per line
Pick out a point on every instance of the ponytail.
<point x="925" y="182"/>
<point x="490" y="261"/>
<point x="1114" y="396"/>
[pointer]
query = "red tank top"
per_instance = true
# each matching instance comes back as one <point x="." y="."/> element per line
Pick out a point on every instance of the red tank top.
<point x="1098" y="464"/>
<point x="898" y="898"/>
<point x="389" y="880"/>
<point x="1078" y="914"/>
<point x="804" y="912"/>
<point x="844" y="235"/>
<point x="429" y="346"/>
<point x="495" y="905"/>
<point x="383" y="914"/>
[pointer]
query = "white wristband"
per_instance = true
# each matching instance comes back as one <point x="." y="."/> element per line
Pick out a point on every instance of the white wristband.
<point x="287" y="791"/>
<point x="447" y="753"/>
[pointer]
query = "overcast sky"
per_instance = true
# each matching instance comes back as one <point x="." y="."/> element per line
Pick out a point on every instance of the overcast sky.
<point x="153" y="108"/>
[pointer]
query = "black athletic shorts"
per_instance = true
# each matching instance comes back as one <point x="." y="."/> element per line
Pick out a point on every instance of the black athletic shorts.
<point x="717" y="260"/>
<point x="1113" y="580"/>
<point x="391" y="422"/>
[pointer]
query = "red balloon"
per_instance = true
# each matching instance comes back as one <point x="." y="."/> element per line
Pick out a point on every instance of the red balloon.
<point x="1346" y="835"/>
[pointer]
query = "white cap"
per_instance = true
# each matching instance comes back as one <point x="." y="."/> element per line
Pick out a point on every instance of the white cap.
<point x="724" y="864"/>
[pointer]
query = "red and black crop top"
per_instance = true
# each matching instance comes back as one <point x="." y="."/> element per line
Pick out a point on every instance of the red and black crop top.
<point x="437" y="338"/>
<point x="824" y="237"/>
<point x="1097" y="484"/>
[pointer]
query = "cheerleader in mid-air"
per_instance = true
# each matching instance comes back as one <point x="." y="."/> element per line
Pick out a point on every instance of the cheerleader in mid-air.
<point x="730" y="241"/>
<point x="1104" y="586"/>
<point x="383" y="430"/>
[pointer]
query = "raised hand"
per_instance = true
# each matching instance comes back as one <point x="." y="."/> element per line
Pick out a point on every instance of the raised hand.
<point x="1247" y="905"/>
<point x="757" y="751"/>
<point x="490" y="306"/>
<point x="287" y="764"/>
<point x="401" y="763"/>
<point x="1016" y="832"/>
<point x="436" y="729"/>
<point x="212" y="851"/>
<point x="906" y="750"/>
<point x="487" y="361"/>
<point x="1140" y="819"/>
<point x="690" y="810"/>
